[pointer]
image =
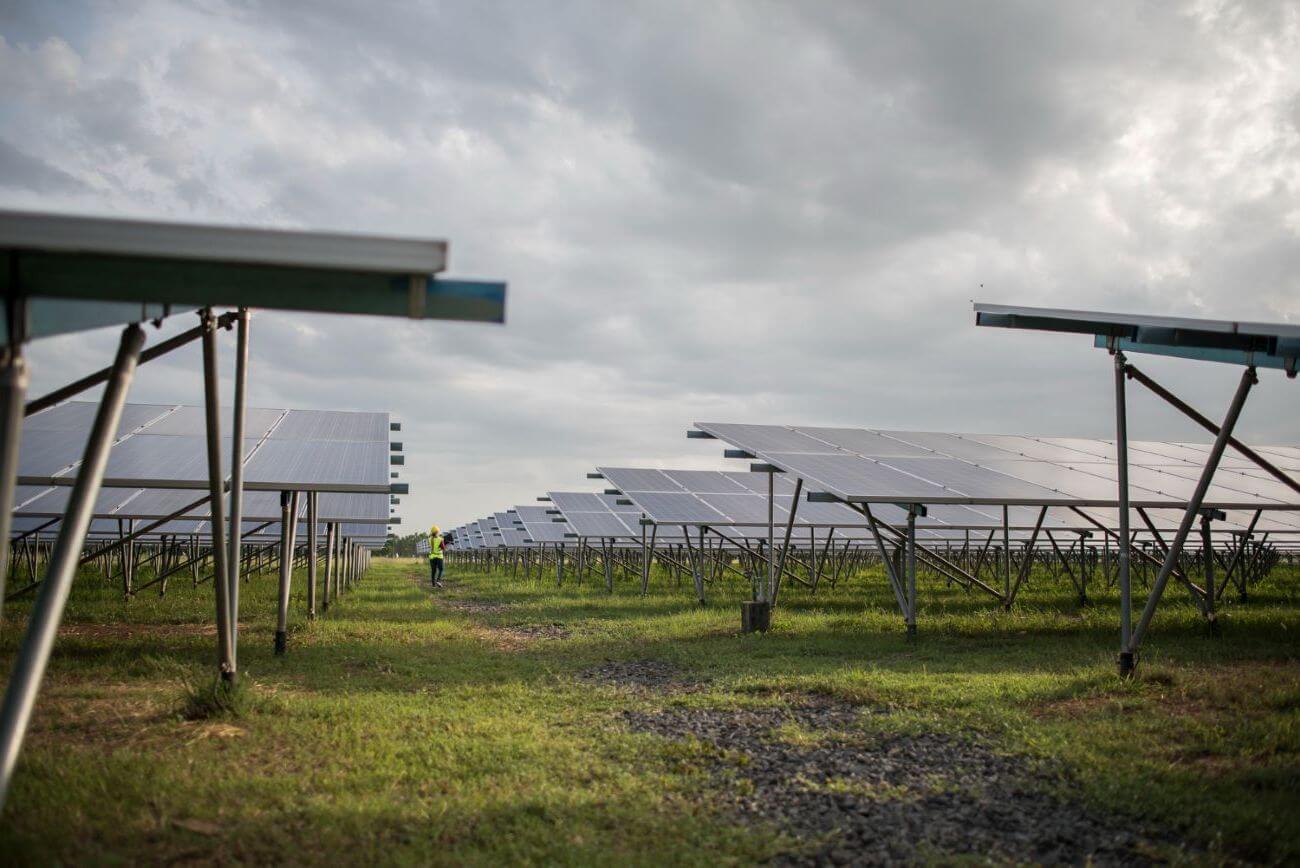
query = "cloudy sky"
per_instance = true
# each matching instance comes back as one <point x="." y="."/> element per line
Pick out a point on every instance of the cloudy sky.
<point x="748" y="211"/>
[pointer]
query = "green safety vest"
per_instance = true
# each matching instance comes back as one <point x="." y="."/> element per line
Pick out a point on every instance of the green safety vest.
<point x="435" y="548"/>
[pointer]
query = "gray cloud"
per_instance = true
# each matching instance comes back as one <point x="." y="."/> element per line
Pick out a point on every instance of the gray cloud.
<point x="761" y="211"/>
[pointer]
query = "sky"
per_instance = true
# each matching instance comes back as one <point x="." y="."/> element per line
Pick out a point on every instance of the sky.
<point x="773" y="212"/>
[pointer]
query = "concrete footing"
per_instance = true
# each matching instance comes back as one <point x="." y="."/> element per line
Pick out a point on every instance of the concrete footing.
<point x="755" y="617"/>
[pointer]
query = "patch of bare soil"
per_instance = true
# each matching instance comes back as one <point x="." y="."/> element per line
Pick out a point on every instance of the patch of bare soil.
<point x="851" y="799"/>
<point x="473" y="607"/>
<point x="537" y="631"/>
<point x="517" y="637"/>
<point x="119" y="631"/>
<point x="117" y="715"/>
<point x="641" y="675"/>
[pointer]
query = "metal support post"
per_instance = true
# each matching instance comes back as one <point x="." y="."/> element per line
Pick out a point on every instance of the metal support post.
<point x="756" y="615"/>
<point x="216" y="492"/>
<point x="329" y="567"/>
<point x="13" y="391"/>
<point x="911" y="572"/>
<point x="34" y="654"/>
<point x="311" y="553"/>
<point x="1126" y="659"/>
<point x="237" y="480"/>
<point x="1006" y="554"/>
<point x="288" y="523"/>
<point x="1207" y="555"/>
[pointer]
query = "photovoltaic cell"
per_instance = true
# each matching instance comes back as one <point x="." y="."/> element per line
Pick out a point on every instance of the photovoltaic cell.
<point x="744" y="508"/>
<point x="45" y="453"/>
<point x="597" y="524"/>
<point x="952" y="445"/>
<point x="849" y="475"/>
<point x="765" y="438"/>
<point x="867" y="443"/>
<point x="567" y="501"/>
<point x="1078" y="483"/>
<point x="678" y="507"/>
<point x="337" y="463"/>
<point x="333" y="425"/>
<point x="974" y="481"/>
<point x="80" y="415"/>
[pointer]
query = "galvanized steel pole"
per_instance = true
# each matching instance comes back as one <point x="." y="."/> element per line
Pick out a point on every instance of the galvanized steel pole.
<point x="29" y="668"/>
<point x="237" y="480"/>
<point x="13" y="391"/>
<point x="288" y="525"/>
<point x="911" y="573"/>
<point x="312" y="499"/>
<point x="216" y="492"/>
<point x="1126" y="661"/>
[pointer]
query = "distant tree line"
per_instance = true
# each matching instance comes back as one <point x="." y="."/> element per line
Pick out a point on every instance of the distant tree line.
<point x="401" y="546"/>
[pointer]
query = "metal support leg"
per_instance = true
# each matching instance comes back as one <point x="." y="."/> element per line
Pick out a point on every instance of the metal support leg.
<point x="216" y="486"/>
<point x="329" y="566"/>
<point x="1207" y="555"/>
<point x="312" y="499"/>
<point x="34" y="654"/>
<point x="1006" y="554"/>
<point x="13" y="391"/>
<point x="1126" y="659"/>
<point x="911" y="574"/>
<point x="645" y="561"/>
<point x="237" y="480"/>
<point x="288" y="523"/>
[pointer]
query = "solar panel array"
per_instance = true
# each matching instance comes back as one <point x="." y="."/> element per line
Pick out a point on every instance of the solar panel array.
<point x="972" y="486"/>
<point x="164" y="446"/>
<point x="158" y="466"/>
<point x="879" y="466"/>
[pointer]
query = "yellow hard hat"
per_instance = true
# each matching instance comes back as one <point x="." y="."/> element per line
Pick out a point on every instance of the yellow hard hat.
<point x="434" y="530"/>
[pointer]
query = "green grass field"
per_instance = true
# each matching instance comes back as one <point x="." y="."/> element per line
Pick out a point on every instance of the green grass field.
<point x="400" y="729"/>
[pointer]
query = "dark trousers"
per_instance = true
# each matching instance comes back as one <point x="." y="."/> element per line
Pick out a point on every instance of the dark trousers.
<point x="435" y="571"/>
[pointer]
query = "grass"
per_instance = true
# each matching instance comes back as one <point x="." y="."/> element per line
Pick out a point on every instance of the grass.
<point x="399" y="731"/>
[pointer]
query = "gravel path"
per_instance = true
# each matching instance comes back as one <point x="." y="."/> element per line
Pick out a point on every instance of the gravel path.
<point x="854" y="800"/>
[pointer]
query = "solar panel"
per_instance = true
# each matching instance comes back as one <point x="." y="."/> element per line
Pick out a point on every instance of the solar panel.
<point x="79" y="415"/>
<point x="192" y="422"/>
<point x="744" y="508"/>
<point x="574" y="501"/>
<point x="541" y="527"/>
<point x="953" y="445"/>
<point x="676" y="508"/>
<point x="867" y="443"/>
<point x="638" y="479"/>
<point x="848" y="475"/>
<point x="705" y="481"/>
<point x="766" y="438"/>
<point x="333" y="425"/>
<point x="43" y="455"/>
<point x="597" y="524"/>
<point x="1030" y="447"/>
<point x="1080" y="483"/>
<point x="971" y="480"/>
<point x="338" y="465"/>
<point x="150" y="460"/>
<point x="1275" y="345"/>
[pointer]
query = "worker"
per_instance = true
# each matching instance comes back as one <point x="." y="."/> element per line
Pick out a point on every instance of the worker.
<point x="437" y="545"/>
